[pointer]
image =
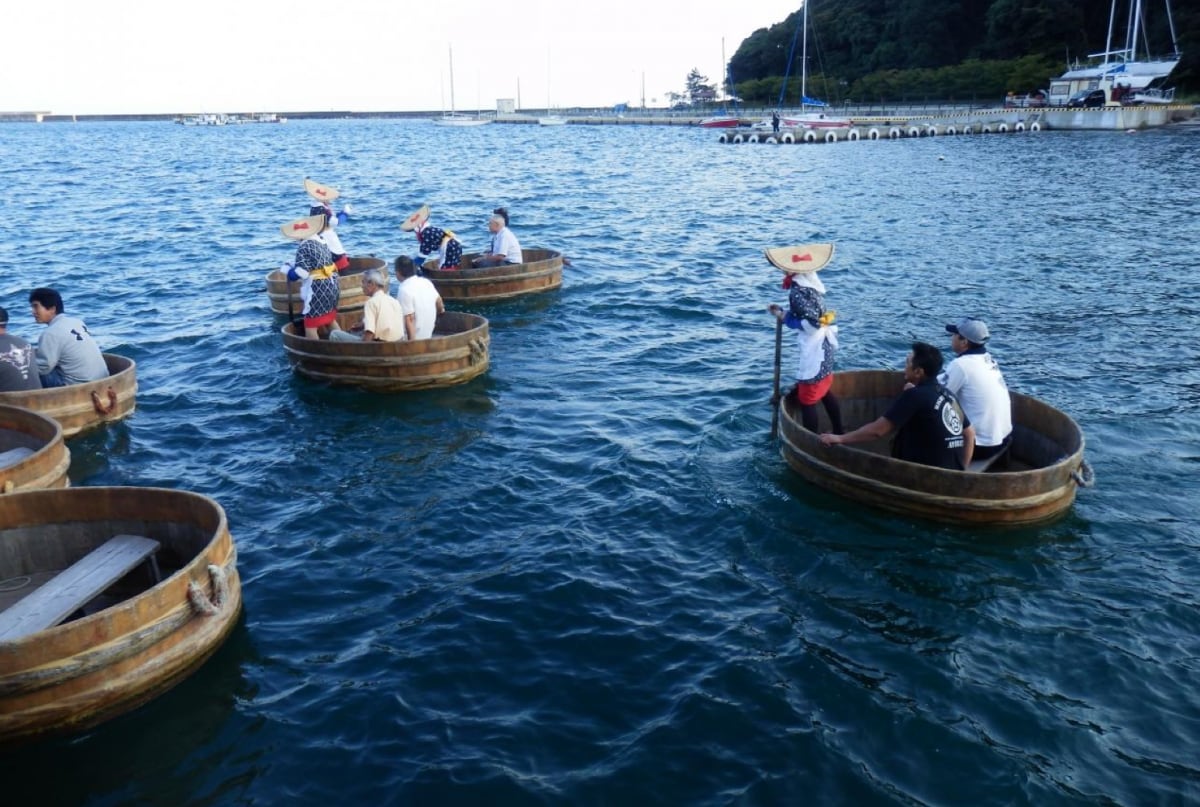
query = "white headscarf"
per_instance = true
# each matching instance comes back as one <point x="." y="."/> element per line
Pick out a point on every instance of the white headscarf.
<point x="808" y="280"/>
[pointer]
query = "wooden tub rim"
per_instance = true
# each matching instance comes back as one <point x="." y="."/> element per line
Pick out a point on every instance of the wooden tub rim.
<point x="48" y="515"/>
<point x="41" y="453"/>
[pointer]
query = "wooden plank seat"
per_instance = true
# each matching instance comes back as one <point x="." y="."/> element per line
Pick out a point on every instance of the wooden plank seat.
<point x="77" y="585"/>
<point x="15" y="455"/>
<point x="979" y="466"/>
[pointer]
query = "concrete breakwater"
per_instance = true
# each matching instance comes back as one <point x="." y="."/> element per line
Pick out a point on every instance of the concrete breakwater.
<point x="877" y="131"/>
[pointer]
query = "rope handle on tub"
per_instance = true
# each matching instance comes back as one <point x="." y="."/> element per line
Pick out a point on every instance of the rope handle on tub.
<point x="101" y="407"/>
<point x="1084" y="476"/>
<point x="200" y="601"/>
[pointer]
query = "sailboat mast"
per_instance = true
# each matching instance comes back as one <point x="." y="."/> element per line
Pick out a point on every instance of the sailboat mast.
<point x="1135" y="13"/>
<point x="452" y="109"/>
<point x="803" y="60"/>
<point x="725" y="69"/>
<point x="1112" y="19"/>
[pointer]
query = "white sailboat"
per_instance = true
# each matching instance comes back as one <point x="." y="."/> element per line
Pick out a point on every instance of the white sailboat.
<point x="808" y="120"/>
<point x="1135" y="79"/>
<point x="453" y="118"/>
<point x="550" y="118"/>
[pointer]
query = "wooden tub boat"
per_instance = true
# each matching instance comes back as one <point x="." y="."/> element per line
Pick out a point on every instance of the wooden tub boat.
<point x="33" y="454"/>
<point x="541" y="271"/>
<point x="457" y="352"/>
<point x="1038" y="482"/>
<point x="81" y="407"/>
<point x="350" y="297"/>
<point x="95" y="554"/>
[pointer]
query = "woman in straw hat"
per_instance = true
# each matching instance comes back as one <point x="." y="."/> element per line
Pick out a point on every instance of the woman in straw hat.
<point x="315" y="269"/>
<point x="324" y="196"/>
<point x="432" y="239"/>
<point x="816" y="337"/>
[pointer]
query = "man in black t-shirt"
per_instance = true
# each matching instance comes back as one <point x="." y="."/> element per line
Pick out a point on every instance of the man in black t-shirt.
<point x="930" y="426"/>
<point x="18" y="363"/>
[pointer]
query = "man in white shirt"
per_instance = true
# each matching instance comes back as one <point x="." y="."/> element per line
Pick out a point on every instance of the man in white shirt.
<point x="975" y="378"/>
<point x="419" y="300"/>
<point x="504" y="249"/>
<point x="383" y="321"/>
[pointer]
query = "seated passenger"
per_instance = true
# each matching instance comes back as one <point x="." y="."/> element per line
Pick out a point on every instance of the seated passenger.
<point x="66" y="354"/>
<point x="383" y="321"/>
<point x="928" y="422"/>
<point x="976" y="380"/>
<point x="419" y="300"/>
<point x="504" y="248"/>
<point x="18" y="363"/>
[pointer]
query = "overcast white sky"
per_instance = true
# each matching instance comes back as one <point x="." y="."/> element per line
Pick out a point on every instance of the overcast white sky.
<point x="168" y="56"/>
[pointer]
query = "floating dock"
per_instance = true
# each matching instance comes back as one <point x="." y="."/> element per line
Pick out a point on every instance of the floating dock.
<point x="882" y="130"/>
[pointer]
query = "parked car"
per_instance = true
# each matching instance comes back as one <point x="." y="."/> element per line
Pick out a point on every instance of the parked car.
<point x="1087" y="98"/>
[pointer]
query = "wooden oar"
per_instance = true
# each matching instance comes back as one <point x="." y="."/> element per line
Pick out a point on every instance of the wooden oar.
<point x="775" y="394"/>
<point x="291" y="310"/>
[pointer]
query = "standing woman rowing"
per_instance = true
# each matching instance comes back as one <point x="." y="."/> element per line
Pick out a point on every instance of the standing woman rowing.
<point x="315" y="268"/>
<point x="816" y="335"/>
<point x="324" y="196"/>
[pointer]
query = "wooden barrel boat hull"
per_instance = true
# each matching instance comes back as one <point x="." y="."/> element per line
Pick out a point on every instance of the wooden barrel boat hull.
<point x="350" y="296"/>
<point x="457" y="352"/>
<point x="1046" y="459"/>
<point x="541" y="271"/>
<point x="81" y="407"/>
<point x="82" y="672"/>
<point x="47" y="466"/>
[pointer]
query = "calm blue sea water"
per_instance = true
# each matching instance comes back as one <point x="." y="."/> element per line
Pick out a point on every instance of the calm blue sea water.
<point x="588" y="577"/>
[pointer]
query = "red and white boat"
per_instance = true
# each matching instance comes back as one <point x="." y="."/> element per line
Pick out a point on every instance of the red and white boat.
<point x="720" y="122"/>
<point x="804" y="120"/>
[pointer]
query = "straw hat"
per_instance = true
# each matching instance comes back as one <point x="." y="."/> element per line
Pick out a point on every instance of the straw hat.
<point x="800" y="260"/>
<point x="303" y="228"/>
<point x="322" y="193"/>
<point x="416" y="220"/>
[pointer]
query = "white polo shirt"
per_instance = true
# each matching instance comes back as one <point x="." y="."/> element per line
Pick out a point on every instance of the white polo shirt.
<point x="976" y="380"/>
<point x="505" y="243"/>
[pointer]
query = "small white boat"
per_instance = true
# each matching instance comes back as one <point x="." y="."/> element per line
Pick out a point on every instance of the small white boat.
<point x="205" y="120"/>
<point x="806" y="120"/>
<point x="455" y="119"/>
<point x="552" y="120"/>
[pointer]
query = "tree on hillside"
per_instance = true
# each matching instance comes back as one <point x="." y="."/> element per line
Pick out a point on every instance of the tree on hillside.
<point x="699" y="91"/>
<point x="849" y="40"/>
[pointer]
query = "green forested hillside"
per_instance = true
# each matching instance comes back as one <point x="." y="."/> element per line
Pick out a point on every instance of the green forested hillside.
<point x="872" y="50"/>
